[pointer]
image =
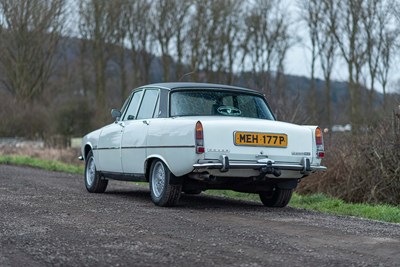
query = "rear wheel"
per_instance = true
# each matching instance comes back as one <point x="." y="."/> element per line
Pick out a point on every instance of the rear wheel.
<point x="278" y="198"/>
<point x="192" y="192"/>
<point x="93" y="181"/>
<point x="163" y="192"/>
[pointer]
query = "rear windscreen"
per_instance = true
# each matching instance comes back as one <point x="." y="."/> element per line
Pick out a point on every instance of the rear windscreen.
<point x="218" y="103"/>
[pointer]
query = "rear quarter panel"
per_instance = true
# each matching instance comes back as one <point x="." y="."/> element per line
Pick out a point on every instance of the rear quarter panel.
<point x="173" y="141"/>
<point x="315" y="159"/>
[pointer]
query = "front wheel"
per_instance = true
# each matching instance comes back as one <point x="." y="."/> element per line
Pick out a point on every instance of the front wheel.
<point x="93" y="181"/>
<point x="278" y="198"/>
<point x="163" y="192"/>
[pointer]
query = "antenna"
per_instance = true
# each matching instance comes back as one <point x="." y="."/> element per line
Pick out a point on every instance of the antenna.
<point x="186" y="74"/>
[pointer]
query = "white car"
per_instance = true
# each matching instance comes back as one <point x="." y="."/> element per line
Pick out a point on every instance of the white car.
<point x="190" y="137"/>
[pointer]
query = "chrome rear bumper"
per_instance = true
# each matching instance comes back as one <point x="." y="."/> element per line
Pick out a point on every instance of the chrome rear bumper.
<point x="264" y="165"/>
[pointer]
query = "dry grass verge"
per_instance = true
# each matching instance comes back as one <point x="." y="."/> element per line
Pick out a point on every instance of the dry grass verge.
<point x="364" y="168"/>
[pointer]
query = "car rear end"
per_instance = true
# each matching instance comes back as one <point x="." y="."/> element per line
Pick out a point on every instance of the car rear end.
<point x="240" y="146"/>
<point x="237" y="135"/>
<point x="243" y="147"/>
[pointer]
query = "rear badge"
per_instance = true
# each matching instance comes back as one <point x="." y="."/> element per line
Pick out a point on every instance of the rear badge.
<point x="218" y="150"/>
<point x="301" y="154"/>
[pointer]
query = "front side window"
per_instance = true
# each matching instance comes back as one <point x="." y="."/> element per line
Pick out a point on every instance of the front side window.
<point x="133" y="106"/>
<point x="218" y="103"/>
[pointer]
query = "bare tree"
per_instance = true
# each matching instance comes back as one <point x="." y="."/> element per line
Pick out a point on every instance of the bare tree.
<point x="224" y="38"/>
<point x="140" y="38"/>
<point x="169" y="21"/>
<point x="213" y="42"/>
<point x="311" y="13"/>
<point x="267" y="29"/>
<point x="348" y="34"/>
<point x="228" y="38"/>
<point x="181" y="20"/>
<point x="164" y="30"/>
<point x="30" y="33"/>
<point x="196" y="39"/>
<point x="97" y="24"/>
<point x="327" y="50"/>
<point x="390" y="44"/>
<point x="120" y="17"/>
<point x="375" y="18"/>
<point x="389" y="39"/>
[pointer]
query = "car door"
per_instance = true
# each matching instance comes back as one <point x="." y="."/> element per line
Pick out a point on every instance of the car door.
<point x="134" y="137"/>
<point x="109" y="146"/>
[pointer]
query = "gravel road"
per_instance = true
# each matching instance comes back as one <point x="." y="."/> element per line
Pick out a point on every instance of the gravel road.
<point x="49" y="219"/>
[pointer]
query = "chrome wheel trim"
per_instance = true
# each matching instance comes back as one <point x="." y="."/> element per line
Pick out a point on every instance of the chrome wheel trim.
<point x="158" y="179"/>
<point x="90" y="171"/>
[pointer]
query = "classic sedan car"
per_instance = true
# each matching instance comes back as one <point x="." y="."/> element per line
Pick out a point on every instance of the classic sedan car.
<point x="190" y="137"/>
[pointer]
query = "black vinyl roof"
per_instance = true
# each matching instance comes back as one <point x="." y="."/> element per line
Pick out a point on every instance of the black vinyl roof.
<point x="190" y="85"/>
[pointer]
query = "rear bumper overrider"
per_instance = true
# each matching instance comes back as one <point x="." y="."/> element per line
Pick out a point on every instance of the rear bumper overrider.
<point x="266" y="166"/>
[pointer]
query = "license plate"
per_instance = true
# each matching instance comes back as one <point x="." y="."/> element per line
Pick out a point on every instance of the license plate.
<point x="260" y="139"/>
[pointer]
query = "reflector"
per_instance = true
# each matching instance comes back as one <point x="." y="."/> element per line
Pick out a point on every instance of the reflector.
<point x="318" y="136"/>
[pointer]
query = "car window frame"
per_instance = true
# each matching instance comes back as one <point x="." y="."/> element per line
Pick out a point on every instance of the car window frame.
<point x="125" y="107"/>
<point x="164" y="103"/>
<point x="219" y="89"/>
<point x="130" y="101"/>
<point x="141" y="102"/>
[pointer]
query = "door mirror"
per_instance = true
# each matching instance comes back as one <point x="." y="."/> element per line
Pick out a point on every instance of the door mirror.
<point x="116" y="114"/>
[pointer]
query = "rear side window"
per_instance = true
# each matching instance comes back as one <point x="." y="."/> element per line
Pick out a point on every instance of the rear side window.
<point x="148" y="105"/>
<point x="218" y="103"/>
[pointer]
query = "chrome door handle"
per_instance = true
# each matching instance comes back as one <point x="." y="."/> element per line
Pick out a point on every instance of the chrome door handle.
<point x="147" y="122"/>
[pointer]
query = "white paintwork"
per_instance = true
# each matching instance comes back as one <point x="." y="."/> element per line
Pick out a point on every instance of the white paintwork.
<point x="219" y="135"/>
<point x="172" y="139"/>
<point x="125" y="146"/>
<point x="109" y="157"/>
<point x="134" y="140"/>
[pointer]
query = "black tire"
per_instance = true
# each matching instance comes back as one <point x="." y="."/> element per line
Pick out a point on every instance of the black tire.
<point x="278" y="198"/>
<point x="192" y="192"/>
<point x="93" y="181"/>
<point x="163" y="192"/>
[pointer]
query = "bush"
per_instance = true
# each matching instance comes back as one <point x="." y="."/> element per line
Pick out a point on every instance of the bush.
<point x="54" y="122"/>
<point x="362" y="168"/>
<point x="28" y="120"/>
<point x="70" y="120"/>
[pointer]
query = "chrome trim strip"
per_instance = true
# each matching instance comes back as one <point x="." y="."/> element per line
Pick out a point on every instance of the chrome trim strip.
<point x="138" y="147"/>
<point x="256" y="166"/>
<point x="105" y="148"/>
<point x="133" y="147"/>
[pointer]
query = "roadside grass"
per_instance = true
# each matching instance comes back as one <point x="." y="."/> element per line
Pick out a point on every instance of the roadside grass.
<point x="316" y="202"/>
<point x="326" y="204"/>
<point x="50" y="165"/>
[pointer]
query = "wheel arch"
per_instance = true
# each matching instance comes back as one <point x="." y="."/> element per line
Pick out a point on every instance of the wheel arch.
<point x="147" y="164"/>
<point x="149" y="160"/>
<point x="86" y="151"/>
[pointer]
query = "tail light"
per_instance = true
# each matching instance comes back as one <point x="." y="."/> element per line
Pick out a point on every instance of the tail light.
<point x="319" y="141"/>
<point x="199" y="138"/>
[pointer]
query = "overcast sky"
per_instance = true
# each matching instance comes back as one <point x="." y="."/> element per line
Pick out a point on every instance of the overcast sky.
<point x="298" y="59"/>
